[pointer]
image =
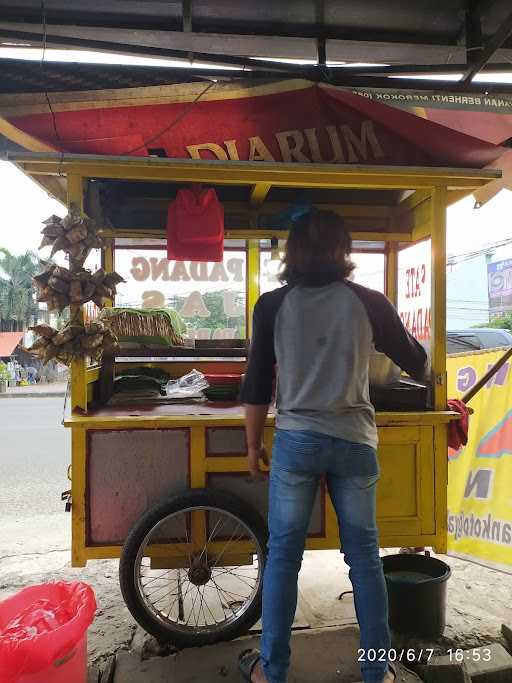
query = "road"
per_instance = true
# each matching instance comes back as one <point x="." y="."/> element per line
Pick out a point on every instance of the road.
<point x="35" y="450"/>
<point x="35" y="537"/>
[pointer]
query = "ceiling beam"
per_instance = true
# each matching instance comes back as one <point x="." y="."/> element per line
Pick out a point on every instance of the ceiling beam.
<point x="186" y="13"/>
<point x="237" y="49"/>
<point x="34" y="40"/>
<point x="473" y="32"/>
<point x="488" y="50"/>
<point x="223" y="45"/>
<point x="427" y="69"/>
<point x="259" y="193"/>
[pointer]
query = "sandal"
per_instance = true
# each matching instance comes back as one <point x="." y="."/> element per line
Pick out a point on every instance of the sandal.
<point x="247" y="660"/>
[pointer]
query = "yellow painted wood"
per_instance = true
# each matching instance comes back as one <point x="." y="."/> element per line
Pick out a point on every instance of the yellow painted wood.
<point x="397" y="494"/>
<point x="331" y="524"/>
<point x="92" y="375"/>
<point x="249" y="234"/>
<point x="20" y="137"/>
<point x="198" y="480"/>
<point x="412" y="201"/>
<point x="79" y="392"/>
<point x="143" y="422"/>
<point x="392" y="272"/>
<point x="441" y="487"/>
<point x="455" y="196"/>
<point x="420" y="221"/>
<point x="425" y="480"/>
<point x="231" y="463"/>
<point x="108" y="262"/>
<point x="78" y="494"/>
<point x="399" y="435"/>
<point x="78" y="385"/>
<point x="438" y="350"/>
<point x="251" y="173"/>
<point x="253" y="280"/>
<point x="387" y="540"/>
<point x="259" y="193"/>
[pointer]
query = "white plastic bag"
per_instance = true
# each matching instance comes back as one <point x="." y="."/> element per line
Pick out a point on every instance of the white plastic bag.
<point x="188" y="386"/>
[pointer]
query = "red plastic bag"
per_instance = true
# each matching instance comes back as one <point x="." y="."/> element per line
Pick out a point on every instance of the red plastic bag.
<point x="195" y="226"/>
<point x="41" y="624"/>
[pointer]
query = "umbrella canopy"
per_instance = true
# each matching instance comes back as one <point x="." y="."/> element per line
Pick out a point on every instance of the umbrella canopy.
<point x="286" y="121"/>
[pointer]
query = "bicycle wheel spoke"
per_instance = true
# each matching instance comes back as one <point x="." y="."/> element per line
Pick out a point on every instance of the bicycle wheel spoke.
<point x="226" y="590"/>
<point x="239" y="578"/>
<point x="200" y="595"/>
<point x="162" y="577"/>
<point x="210" y="538"/>
<point x="228" y="544"/>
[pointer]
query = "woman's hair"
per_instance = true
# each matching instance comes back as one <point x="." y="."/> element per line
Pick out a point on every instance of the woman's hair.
<point x="318" y="250"/>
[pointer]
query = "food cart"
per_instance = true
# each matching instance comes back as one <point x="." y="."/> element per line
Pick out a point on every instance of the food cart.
<point x="164" y="486"/>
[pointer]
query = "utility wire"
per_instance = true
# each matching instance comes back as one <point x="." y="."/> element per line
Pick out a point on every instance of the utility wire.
<point x="43" y="55"/>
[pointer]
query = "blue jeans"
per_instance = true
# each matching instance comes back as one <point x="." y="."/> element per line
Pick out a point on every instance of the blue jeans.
<point x="300" y="459"/>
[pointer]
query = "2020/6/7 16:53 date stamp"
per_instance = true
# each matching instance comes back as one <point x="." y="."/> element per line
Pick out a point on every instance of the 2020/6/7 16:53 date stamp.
<point x="455" y="655"/>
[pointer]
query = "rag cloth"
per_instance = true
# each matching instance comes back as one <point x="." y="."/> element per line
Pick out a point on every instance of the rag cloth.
<point x="458" y="429"/>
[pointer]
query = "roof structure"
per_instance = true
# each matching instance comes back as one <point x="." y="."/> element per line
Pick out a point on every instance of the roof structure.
<point x="8" y="343"/>
<point x="284" y="121"/>
<point x="393" y="36"/>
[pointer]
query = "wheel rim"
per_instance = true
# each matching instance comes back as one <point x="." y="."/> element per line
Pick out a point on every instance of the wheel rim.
<point x="206" y="596"/>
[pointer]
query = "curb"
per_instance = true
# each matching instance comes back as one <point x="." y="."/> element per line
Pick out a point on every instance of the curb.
<point x="28" y="394"/>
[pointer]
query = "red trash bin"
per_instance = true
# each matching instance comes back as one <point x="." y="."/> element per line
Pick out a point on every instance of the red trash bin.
<point x="43" y="633"/>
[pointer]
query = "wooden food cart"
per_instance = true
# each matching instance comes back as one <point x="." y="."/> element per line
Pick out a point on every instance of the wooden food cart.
<point x="165" y="486"/>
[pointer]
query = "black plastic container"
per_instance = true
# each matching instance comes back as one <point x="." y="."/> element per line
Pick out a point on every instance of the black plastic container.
<point x="417" y="594"/>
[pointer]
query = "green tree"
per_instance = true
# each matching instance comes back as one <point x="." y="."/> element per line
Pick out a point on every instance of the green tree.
<point x="504" y="323"/>
<point x="17" y="301"/>
<point x="214" y="302"/>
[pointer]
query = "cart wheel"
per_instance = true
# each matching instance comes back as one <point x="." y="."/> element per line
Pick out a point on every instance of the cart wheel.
<point x="205" y="600"/>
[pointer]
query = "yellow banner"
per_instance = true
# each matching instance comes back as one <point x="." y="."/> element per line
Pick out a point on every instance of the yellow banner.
<point x="480" y="474"/>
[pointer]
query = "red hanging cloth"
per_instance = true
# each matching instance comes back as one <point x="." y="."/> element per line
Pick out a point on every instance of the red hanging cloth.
<point x="195" y="226"/>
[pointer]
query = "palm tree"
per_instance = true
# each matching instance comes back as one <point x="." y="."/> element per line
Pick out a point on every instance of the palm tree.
<point x="17" y="300"/>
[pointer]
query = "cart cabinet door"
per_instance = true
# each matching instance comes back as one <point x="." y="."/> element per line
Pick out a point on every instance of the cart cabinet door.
<point x="128" y="471"/>
<point x="405" y="493"/>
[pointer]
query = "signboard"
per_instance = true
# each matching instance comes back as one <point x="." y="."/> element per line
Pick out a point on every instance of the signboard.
<point x="210" y="297"/>
<point x="479" y="474"/>
<point x="414" y="291"/>
<point x="294" y="121"/>
<point x="499" y="277"/>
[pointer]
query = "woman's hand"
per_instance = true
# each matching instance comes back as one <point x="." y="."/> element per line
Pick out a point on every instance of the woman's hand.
<point x="255" y="455"/>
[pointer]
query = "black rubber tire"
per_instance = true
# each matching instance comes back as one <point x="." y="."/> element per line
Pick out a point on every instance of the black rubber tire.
<point x="194" y="497"/>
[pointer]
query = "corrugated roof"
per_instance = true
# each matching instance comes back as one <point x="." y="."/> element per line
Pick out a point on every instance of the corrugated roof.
<point x="8" y="343"/>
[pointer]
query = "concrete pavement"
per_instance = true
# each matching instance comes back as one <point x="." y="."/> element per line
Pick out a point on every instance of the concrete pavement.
<point x="327" y="655"/>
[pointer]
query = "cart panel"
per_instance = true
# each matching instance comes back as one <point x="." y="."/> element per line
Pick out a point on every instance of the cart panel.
<point x="128" y="472"/>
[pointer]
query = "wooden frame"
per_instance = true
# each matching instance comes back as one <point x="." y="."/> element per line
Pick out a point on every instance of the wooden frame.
<point x="421" y="437"/>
